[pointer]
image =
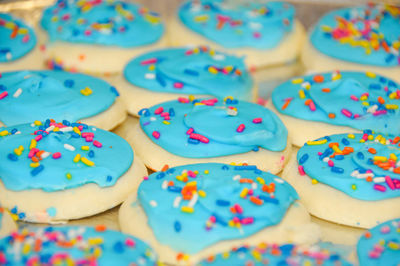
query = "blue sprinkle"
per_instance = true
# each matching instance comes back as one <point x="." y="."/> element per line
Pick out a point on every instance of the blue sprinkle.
<point x="286" y="249"/>
<point x="66" y="123"/>
<point x="257" y="171"/>
<point x="334" y="257"/>
<point x="337" y="170"/>
<point x="12" y="157"/>
<point x="375" y="86"/>
<point x="144" y="112"/>
<point x="193" y="141"/>
<point x="109" y="178"/>
<point x="221" y="202"/>
<point x="326" y="153"/>
<point x="69" y="83"/>
<point x="269" y="200"/>
<point x="177" y="226"/>
<point x="219" y="220"/>
<point x="91" y="154"/>
<point x="339" y="157"/>
<point x="4" y="50"/>
<point x="37" y="170"/>
<point x="160" y="80"/>
<point x="345" y="141"/>
<point x="41" y="127"/>
<point x="2" y="87"/>
<point x="225" y="167"/>
<point x="367" y="131"/>
<point x="389" y="58"/>
<point x="175" y="189"/>
<point x="75" y="135"/>
<point x="170" y="170"/>
<point x="256" y="148"/>
<point x="242" y="249"/>
<point x="21" y="215"/>
<point x="114" y="90"/>
<point x="119" y="247"/>
<point x="327" y="138"/>
<point x="303" y="158"/>
<point x="382" y="79"/>
<point x="392" y="83"/>
<point x="360" y="155"/>
<point x="370" y="161"/>
<point x="190" y="72"/>
<point x="245" y="167"/>
<point x="14" y="210"/>
<point x="160" y="175"/>
<point x="14" y="130"/>
<point x="171" y="112"/>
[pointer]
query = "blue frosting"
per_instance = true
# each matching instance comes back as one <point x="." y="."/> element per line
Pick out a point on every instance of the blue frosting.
<point x="380" y="245"/>
<point x="57" y="170"/>
<point x="17" y="38"/>
<point x="115" y="23"/>
<point x="364" y="166"/>
<point x="351" y="34"/>
<point x="217" y="202"/>
<point x="191" y="71"/>
<point x="74" y="246"/>
<point x="26" y="96"/>
<point x="234" y="25"/>
<point x="210" y="127"/>
<point x="355" y="99"/>
<point x="273" y="254"/>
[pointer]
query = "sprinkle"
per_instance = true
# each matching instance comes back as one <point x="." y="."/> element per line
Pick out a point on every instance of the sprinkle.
<point x="17" y="93"/>
<point x="56" y="155"/>
<point x="87" y="161"/>
<point x="346" y="112"/>
<point x="257" y="120"/>
<point x="379" y="188"/>
<point x="86" y="91"/>
<point x="97" y="144"/>
<point x="37" y="170"/>
<point x="256" y="200"/>
<point x="317" y="142"/>
<point x="156" y="134"/>
<point x="77" y="158"/>
<point x="149" y="61"/>
<point x="301" y="170"/>
<point x="3" y="95"/>
<point x="187" y="209"/>
<point x="240" y="128"/>
<point x="69" y="147"/>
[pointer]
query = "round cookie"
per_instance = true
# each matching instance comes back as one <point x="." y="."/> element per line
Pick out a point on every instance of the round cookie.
<point x="350" y="179"/>
<point x="99" y="37"/>
<point x="317" y="105"/>
<point x="18" y="46"/>
<point x="265" y="33"/>
<point x="363" y="38"/>
<point x="380" y="245"/>
<point x="187" y="131"/>
<point x="274" y="254"/>
<point x="164" y="75"/>
<point x="52" y="172"/>
<point x="74" y="245"/>
<point x="26" y="96"/>
<point x="7" y="224"/>
<point x="192" y="211"/>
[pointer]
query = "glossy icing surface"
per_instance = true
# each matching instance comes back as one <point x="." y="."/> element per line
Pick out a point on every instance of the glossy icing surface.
<point x="380" y="245"/>
<point x="74" y="246"/>
<point x="273" y="254"/>
<point x="204" y="128"/>
<point x="364" y="166"/>
<point x="26" y="96"/>
<point x="365" y="35"/>
<point x="109" y="23"/>
<point x="355" y="99"/>
<point x="56" y="156"/>
<point x="194" y="206"/>
<point x="191" y="71"/>
<point x="235" y="24"/>
<point x="17" y="38"/>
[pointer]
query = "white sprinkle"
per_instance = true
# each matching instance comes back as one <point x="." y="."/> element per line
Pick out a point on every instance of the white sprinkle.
<point x="50" y="128"/>
<point x="354" y="173"/>
<point x="255" y="26"/>
<point x="219" y="57"/>
<point x="69" y="147"/>
<point x="18" y="132"/>
<point x="305" y="84"/>
<point x="236" y="177"/>
<point x="33" y="125"/>
<point x="164" y="185"/>
<point x="153" y="203"/>
<point x="193" y="200"/>
<point x="66" y="129"/>
<point x="380" y="179"/>
<point x="372" y="109"/>
<point x="279" y="180"/>
<point x="326" y="159"/>
<point x="17" y="93"/>
<point x="153" y="118"/>
<point x="177" y="201"/>
<point x="231" y="112"/>
<point x="45" y="154"/>
<point x="149" y="76"/>
<point x="8" y="56"/>
<point x="94" y="129"/>
<point x="254" y="186"/>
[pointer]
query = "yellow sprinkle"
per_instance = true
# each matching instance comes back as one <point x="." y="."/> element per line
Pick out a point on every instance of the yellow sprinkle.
<point x="393" y="245"/>
<point x="191" y="98"/>
<point x="297" y="81"/>
<point x="391" y="106"/>
<point x="381" y="242"/>
<point x="76" y="130"/>
<point x="370" y="137"/>
<point x="206" y="172"/>
<point x="34" y="165"/>
<point x="85" y="148"/>
<point x="95" y="241"/>
<point x="37" y="123"/>
<point x="152" y="19"/>
<point x="337" y="77"/>
<point x="336" y="149"/>
<point x="18" y="151"/>
<point x="187" y="209"/>
<point x="225" y="255"/>
<point x="302" y="95"/>
<point x="201" y="18"/>
<point x="96" y="252"/>
<point x="86" y="91"/>
<point x="179" y="177"/>
<point x="3" y="133"/>
<point x="152" y="67"/>
<point x="317" y="142"/>
<point x="244" y="192"/>
<point x="9" y="25"/>
<point x="202" y="193"/>
<point x="54" y="19"/>
<point x="33" y="144"/>
<point x="365" y="103"/>
<point x="260" y="180"/>
<point x="87" y="161"/>
<point x="212" y="70"/>
<point x="393" y="157"/>
<point x="314" y="181"/>
<point x="185" y="174"/>
<point x="392" y="95"/>
<point x="326" y="28"/>
<point x="370" y="74"/>
<point x="362" y="140"/>
<point x="364" y="98"/>
<point x="68" y="176"/>
<point x="212" y="52"/>
<point x="26" y="249"/>
<point x="231" y="223"/>
<point x="191" y="184"/>
<point x="77" y="158"/>
<point x="383" y="141"/>
<point x="56" y="129"/>
<point x="351" y="136"/>
<point x="353" y="187"/>
<point x="256" y="255"/>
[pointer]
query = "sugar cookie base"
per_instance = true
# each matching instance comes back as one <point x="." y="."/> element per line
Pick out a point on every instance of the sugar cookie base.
<point x="316" y="61"/>
<point x="287" y="51"/>
<point x="95" y="59"/>
<point x="155" y="157"/>
<point x="7" y="224"/>
<point x="137" y="98"/>
<point x="74" y="203"/>
<point x="301" y="131"/>
<point x="333" y="205"/>
<point x="295" y="227"/>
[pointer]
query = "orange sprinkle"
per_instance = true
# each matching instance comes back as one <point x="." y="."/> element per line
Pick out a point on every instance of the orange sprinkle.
<point x="385" y="46"/>
<point x="331" y="115"/>
<point x="396" y="170"/>
<point x="318" y="78"/>
<point x="333" y="144"/>
<point x="307" y="102"/>
<point x="369" y="179"/>
<point x="256" y="201"/>
<point x="372" y="150"/>
<point x="165" y="168"/>
<point x="347" y="150"/>
<point x="246" y="180"/>
<point x="38" y="245"/>
<point x="381" y="100"/>
<point x="81" y="57"/>
<point x="14" y="32"/>
<point x="179" y="256"/>
<point x="326" y="90"/>
<point x="367" y="234"/>
<point x="170" y="183"/>
<point x="396" y="140"/>
<point x="35" y="159"/>
<point x="286" y="104"/>
<point x="100" y="228"/>
<point x="275" y="252"/>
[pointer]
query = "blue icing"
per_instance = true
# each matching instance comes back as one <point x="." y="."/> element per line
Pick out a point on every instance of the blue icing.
<point x="209" y="127"/>
<point x="17" y="38"/>
<point x="36" y="95"/>
<point x="333" y="35"/>
<point x="187" y="71"/>
<point x="354" y="100"/>
<point x="112" y="157"/>
<point x="115" y="23"/>
<point x="280" y="255"/>
<point x="212" y="190"/>
<point x="380" y="245"/>
<point x="244" y="24"/>
<point x="74" y="246"/>
<point x="353" y="167"/>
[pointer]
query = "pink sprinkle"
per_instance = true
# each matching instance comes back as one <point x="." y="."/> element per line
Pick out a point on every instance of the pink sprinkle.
<point x="347" y="113"/>
<point x="156" y="134"/>
<point x="380" y="112"/>
<point x="178" y="85"/>
<point x="379" y="188"/>
<point x="38" y="137"/>
<point x="87" y="32"/>
<point x="189" y="52"/>
<point x="66" y="17"/>
<point x="87" y="134"/>
<point x="213" y="219"/>
<point x="312" y="106"/>
<point x="248" y="220"/>
<point x="149" y="61"/>
<point x="129" y="242"/>
<point x="190" y="131"/>
<point x="159" y="110"/>
<point x="251" y="192"/>
<point x="374" y="254"/>
<point x="378" y="248"/>
<point x="145" y="178"/>
<point x="183" y="100"/>
<point x="89" y="139"/>
<point x="330" y="163"/>
<point x="236" y="219"/>
<point x="81" y="128"/>
<point x="257" y="120"/>
<point x="356" y="116"/>
<point x="191" y="174"/>
<point x="210" y="102"/>
<point x="389" y="182"/>
<point x="240" y="128"/>
<point x="301" y="170"/>
<point x="199" y="137"/>
<point x="257" y="35"/>
<point x="97" y="144"/>
<point x="167" y="118"/>
<point x="238" y="208"/>
<point x="398" y="93"/>
<point x="354" y="98"/>
<point x="56" y="155"/>
<point x="26" y="38"/>
<point x="365" y="137"/>
<point x="385" y="229"/>
<point x="32" y="152"/>
<point x="3" y="95"/>
<point x="164" y="114"/>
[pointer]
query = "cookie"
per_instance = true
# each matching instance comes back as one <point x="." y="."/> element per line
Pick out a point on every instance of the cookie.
<point x="74" y="245"/>
<point x="53" y="171"/>
<point x="322" y="104"/>
<point x="26" y="96"/>
<point x="99" y="37"/>
<point x="192" y="211"/>
<point x="164" y="75"/>
<point x="7" y="224"/>
<point x="265" y="33"/>
<point x="190" y="130"/>
<point x="363" y="38"/>
<point x="350" y="179"/>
